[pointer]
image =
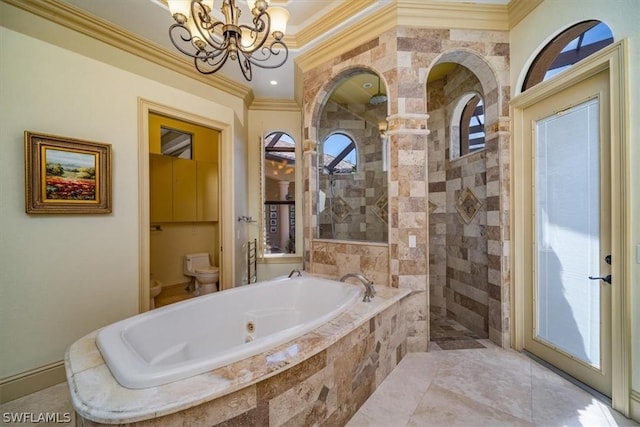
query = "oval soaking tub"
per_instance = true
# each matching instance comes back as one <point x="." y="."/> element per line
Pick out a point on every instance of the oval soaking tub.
<point x="195" y="336"/>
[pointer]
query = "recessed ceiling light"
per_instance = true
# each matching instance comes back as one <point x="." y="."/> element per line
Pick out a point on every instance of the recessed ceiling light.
<point x="367" y="85"/>
<point x="273" y="82"/>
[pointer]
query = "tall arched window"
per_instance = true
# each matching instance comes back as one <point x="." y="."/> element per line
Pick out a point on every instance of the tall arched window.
<point x="472" y="126"/>
<point x="279" y="229"/>
<point x="466" y="131"/>
<point x="572" y="45"/>
<point x="339" y="154"/>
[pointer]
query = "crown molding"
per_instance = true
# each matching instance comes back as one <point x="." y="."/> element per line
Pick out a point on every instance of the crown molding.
<point x="355" y="35"/>
<point x="75" y="19"/>
<point x="432" y="14"/>
<point x="408" y="13"/>
<point x="519" y="9"/>
<point x="331" y="20"/>
<point x="274" y="104"/>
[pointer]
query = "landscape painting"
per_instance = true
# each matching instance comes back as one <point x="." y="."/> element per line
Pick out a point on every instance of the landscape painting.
<point x="66" y="175"/>
<point x="69" y="175"/>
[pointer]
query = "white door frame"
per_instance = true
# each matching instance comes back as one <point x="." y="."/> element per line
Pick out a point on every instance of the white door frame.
<point x="614" y="58"/>
<point x="226" y="224"/>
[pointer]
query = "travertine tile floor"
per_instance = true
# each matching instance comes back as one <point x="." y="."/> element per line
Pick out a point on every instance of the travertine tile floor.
<point x="474" y="387"/>
<point x="480" y="387"/>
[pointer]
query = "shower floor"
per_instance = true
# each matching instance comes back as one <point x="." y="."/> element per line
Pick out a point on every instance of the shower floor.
<point x="447" y="334"/>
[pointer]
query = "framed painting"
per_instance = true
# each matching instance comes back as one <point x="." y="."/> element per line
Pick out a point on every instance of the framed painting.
<point x="65" y="175"/>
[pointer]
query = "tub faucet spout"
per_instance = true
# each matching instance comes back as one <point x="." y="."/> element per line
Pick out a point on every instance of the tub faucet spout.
<point x="294" y="271"/>
<point x="369" y="289"/>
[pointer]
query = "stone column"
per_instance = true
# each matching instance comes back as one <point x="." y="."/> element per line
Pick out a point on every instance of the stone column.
<point x="408" y="220"/>
<point x="284" y="216"/>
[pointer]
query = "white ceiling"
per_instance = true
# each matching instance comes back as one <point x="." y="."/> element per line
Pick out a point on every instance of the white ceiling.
<point x="150" y="19"/>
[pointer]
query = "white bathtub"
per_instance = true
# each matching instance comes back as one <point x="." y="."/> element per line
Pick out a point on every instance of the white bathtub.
<point x="195" y="336"/>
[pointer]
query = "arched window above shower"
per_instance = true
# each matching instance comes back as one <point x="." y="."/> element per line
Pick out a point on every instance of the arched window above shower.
<point x="339" y="154"/>
<point x="467" y="132"/>
<point x="572" y="45"/>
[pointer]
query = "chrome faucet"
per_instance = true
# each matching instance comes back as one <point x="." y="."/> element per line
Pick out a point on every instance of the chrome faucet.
<point x="369" y="289"/>
<point x="294" y="271"/>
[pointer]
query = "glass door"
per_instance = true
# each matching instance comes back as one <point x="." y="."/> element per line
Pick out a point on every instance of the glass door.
<point x="568" y="297"/>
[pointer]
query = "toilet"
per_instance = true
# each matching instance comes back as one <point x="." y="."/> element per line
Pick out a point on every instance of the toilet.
<point x="206" y="275"/>
<point x="155" y="288"/>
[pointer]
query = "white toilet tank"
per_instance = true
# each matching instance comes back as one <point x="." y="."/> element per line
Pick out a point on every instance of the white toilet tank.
<point x="193" y="261"/>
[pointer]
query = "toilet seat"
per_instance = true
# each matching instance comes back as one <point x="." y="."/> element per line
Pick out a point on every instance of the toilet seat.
<point x="207" y="270"/>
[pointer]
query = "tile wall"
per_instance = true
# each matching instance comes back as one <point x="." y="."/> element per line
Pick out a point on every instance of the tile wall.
<point x="403" y="57"/>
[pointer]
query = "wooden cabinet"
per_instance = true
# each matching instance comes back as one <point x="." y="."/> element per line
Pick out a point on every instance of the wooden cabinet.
<point x="182" y="190"/>
<point x="161" y="188"/>
<point x="207" y="191"/>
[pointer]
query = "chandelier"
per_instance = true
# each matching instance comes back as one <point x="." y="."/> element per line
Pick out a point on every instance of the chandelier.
<point x="198" y="34"/>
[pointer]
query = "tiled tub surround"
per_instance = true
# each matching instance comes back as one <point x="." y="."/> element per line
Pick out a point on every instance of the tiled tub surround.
<point x="322" y="377"/>
<point x="197" y="336"/>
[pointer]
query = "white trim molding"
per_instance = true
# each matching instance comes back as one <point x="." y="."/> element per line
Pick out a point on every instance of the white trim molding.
<point x="614" y="59"/>
<point x="227" y="216"/>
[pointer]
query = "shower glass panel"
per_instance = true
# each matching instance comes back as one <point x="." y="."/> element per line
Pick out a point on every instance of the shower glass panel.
<point x="352" y="179"/>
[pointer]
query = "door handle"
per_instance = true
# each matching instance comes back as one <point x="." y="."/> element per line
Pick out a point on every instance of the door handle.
<point x="606" y="278"/>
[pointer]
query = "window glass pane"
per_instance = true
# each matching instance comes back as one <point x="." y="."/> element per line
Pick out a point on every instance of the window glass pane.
<point x="472" y="136"/>
<point x="339" y="154"/>
<point x="597" y="34"/>
<point x="175" y="143"/>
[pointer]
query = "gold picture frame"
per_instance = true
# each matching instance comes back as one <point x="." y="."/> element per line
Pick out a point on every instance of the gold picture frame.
<point x="66" y="175"/>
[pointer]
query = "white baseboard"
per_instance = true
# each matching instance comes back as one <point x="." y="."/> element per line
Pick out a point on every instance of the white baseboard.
<point x="634" y="405"/>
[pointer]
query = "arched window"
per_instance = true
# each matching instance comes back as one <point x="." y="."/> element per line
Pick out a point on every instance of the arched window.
<point x="567" y="48"/>
<point x="339" y="154"/>
<point x="279" y="235"/>
<point x="467" y="133"/>
<point x="472" y="126"/>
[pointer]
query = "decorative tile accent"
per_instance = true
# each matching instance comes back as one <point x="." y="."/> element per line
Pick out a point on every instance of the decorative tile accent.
<point x="341" y="209"/>
<point x="468" y="205"/>
<point x="382" y="208"/>
<point x="432" y="206"/>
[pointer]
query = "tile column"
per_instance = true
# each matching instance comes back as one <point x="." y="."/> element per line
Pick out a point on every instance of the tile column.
<point x="408" y="220"/>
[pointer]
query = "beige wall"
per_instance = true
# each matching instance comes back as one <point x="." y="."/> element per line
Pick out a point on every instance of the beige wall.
<point x="622" y="16"/>
<point x="63" y="276"/>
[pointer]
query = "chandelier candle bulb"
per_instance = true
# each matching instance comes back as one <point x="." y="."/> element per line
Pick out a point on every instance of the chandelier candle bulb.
<point x="279" y="18"/>
<point x="180" y="10"/>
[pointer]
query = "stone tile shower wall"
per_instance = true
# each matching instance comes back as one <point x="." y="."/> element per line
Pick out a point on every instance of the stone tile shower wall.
<point x="358" y="200"/>
<point x="404" y="56"/>
<point x="437" y="190"/>
<point x="458" y="250"/>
